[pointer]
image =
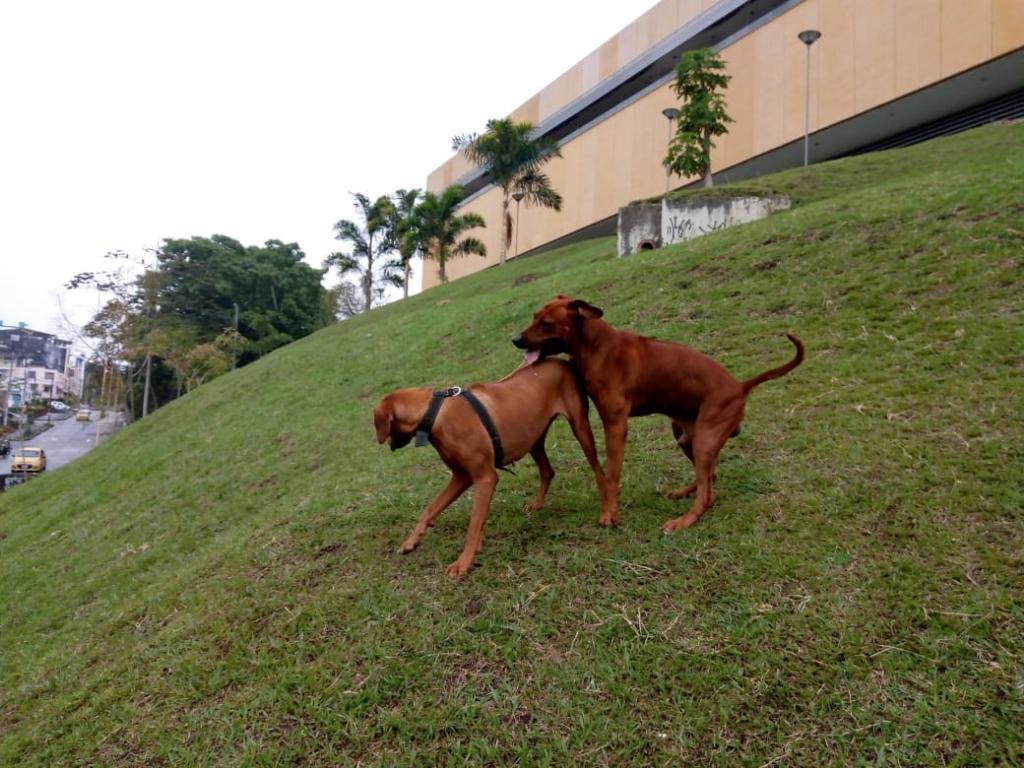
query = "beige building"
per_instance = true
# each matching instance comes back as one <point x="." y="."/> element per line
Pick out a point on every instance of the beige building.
<point x="883" y="73"/>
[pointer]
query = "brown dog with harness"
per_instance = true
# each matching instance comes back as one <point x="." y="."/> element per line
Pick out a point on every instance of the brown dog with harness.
<point x="630" y="375"/>
<point x="478" y="430"/>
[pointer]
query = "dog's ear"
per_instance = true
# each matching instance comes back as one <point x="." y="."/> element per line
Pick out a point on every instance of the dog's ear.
<point x="562" y="296"/>
<point x="382" y="420"/>
<point x="585" y="309"/>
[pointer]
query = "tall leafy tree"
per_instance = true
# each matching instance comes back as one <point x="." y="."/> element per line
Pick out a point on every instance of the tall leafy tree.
<point x="277" y="294"/>
<point x="369" y="243"/>
<point x="440" y="229"/>
<point x="512" y="158"/>
<point x="700" y="80"/>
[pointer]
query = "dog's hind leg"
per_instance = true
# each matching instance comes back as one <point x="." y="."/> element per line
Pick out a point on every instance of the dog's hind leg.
<point x="683" y="431"/>
<point x="709" y="436"/>
<point x="545" y="471"/>
<point x="455" y="488"/>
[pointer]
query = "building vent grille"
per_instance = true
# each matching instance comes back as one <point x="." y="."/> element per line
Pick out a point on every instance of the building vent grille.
<point x="1008" y="107"/>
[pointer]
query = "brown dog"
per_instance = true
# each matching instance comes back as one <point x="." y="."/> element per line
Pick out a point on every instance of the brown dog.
<point x="630" y="375"/>
<point x="522" y="407"/>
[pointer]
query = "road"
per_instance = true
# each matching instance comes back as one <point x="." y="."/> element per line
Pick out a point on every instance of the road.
<point x="66" y="440"/>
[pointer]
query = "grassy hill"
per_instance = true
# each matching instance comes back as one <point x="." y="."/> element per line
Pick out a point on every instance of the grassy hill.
<point x="218" y="585"/>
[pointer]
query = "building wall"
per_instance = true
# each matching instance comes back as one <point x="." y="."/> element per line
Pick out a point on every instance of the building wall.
<point x="857" y="65"/>
<point x="33" y="361"/>
<point x="33" y="382"/>
<point x="647" y="31"/>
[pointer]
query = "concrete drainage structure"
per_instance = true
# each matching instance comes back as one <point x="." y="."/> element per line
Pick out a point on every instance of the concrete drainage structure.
<point x="645" y="226"/>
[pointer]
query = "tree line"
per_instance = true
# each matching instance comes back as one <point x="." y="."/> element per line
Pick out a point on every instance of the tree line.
<point x="392" y="230"/>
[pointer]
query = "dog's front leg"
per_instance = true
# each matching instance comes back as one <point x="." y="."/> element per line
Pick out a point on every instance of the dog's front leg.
<point x="585" y="437"/>
<point x="616" y="427"/>
<point x="455" y="488"/>
<point x="483" y="491"/>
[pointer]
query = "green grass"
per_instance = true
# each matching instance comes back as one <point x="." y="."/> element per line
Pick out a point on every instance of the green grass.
<point x="218" y="585"/>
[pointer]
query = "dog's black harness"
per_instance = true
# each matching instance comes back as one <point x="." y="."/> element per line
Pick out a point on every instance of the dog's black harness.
<point x="427" y="423"/>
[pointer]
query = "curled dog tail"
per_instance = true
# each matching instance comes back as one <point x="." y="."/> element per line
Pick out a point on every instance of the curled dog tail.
<point x="782" y="370"/>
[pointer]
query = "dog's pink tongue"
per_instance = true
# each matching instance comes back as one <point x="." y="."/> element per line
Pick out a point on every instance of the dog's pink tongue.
<point x="531" y="356"/>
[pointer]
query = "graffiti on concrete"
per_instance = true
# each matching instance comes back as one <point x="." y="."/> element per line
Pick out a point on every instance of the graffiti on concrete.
<point x="685" y="228"/>
<point x="653" y="225"/>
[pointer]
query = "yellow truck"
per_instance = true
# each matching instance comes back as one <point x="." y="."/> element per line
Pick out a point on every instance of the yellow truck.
<point x="28" y="459"/>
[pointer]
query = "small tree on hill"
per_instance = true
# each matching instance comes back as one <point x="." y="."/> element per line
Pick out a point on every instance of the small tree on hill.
<point x="700" y="78"/>
<point x="439" y="231"/>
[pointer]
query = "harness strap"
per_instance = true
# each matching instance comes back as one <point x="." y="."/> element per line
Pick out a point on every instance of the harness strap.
<point x="492" y="432"/>
<point x="427" y="422"/>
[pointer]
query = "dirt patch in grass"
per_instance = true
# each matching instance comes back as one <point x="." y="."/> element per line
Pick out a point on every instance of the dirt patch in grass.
<point x="475" y="672"/>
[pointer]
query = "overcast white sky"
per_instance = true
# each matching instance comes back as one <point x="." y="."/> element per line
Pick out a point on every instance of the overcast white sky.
<point x="122" y="123"/>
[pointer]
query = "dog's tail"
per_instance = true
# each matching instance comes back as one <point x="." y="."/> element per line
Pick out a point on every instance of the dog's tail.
<point x="782" y="370"/>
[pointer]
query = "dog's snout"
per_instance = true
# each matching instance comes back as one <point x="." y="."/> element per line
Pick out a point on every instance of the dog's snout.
<point x="517" y="340"/>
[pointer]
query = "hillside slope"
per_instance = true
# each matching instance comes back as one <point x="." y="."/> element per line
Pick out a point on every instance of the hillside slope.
<point x="218" y="584"/>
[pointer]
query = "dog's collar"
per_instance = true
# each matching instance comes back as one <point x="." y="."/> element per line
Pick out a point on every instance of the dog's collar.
<point x="436" y="400"/>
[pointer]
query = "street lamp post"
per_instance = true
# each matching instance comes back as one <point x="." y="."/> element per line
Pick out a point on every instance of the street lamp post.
<point x="671" y="113"/>
<point x="517" y="196"/>
<point x="808" y="37"/>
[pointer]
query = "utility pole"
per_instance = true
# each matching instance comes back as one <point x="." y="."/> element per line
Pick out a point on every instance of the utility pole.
<point x="10" y="386"/>
<point x="103" y="392"/>
<point x="24" y="397"/>
<point x="234" y="352"/>
<point x="145" y="389"/>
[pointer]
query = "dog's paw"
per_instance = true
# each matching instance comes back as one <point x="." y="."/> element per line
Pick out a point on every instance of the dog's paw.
<point x="457" y="569"/>
<point x="535" y="506"/>
<point x="681" y="493"/>
<point x="677" y="524"/>
<point x="408" y="546"/>
<point x="608" y="520"/>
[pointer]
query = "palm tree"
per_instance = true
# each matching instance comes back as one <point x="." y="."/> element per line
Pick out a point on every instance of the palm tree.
<point x="512" y="157"/>
<point x="438" y="229"/>
<point x="377" y="218"/>
<point x="403" y="225"/>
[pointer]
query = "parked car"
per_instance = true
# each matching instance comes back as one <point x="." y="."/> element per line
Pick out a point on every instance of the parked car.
<point x="28" y="459"/>
<point x="83" y="416"/>
<point x="57" y="405"/>
<point x="5" y="447"/>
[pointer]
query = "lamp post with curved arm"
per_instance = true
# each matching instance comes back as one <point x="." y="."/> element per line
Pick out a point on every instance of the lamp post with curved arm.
<point x="517" y="196"/>
<point x="808" y="37"/>
<point x="671" y="113"/>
